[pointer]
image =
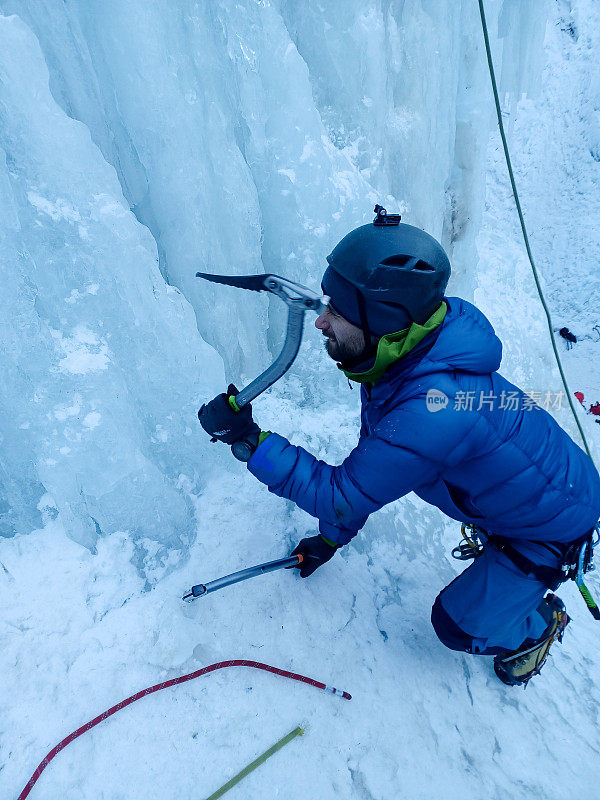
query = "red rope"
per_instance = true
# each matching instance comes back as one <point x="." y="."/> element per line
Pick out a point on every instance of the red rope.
<point x="165" y="685"/>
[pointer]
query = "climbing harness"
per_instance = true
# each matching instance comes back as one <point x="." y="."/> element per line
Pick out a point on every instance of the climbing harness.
<point x="522" y="221"/>
<point x="260" y="569"/>
<point x="577" y="558"/>
<point x="165" y="685"/>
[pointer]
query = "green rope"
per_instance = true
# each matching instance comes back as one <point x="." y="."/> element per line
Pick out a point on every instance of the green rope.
<point x="256" y="763"/>
<point x="589" y="600"/>
<point x="522" y="221"/>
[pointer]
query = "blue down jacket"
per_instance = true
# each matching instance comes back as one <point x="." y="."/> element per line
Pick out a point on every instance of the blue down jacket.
<point x="511" y="470"/>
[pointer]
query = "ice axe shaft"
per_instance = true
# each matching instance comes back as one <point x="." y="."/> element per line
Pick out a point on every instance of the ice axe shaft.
<point x="227" y="580"/>
<point x="298" y="299"/>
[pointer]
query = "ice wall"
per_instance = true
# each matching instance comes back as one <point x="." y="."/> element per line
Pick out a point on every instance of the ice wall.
<point x="97" y="392"/>
<point x="149" y="140"/>
<point x="252" y="135"/>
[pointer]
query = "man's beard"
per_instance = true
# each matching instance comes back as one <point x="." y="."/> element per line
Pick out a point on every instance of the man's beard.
<point x="347" y="352"/>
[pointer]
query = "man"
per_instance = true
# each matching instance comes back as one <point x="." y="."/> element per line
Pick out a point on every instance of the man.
<point x="439" y="420"/>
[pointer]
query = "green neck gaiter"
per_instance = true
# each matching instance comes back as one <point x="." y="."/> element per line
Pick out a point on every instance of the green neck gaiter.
<point x="394" y="346"/>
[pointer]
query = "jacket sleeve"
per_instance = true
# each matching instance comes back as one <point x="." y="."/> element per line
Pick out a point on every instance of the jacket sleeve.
<point x="375" y="473"/>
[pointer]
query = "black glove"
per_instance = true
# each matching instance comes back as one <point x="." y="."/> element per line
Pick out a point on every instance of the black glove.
<point x="222" y="422"/>
<point x="316" y="551"/>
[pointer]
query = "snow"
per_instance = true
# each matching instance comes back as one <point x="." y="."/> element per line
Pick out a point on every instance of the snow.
<point x="140" y="142"/>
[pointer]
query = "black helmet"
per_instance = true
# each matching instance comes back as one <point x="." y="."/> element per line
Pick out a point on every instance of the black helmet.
<point x="386" y="275"/>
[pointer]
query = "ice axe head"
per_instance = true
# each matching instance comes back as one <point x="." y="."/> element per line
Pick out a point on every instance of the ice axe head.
<point x="298" y="299"/>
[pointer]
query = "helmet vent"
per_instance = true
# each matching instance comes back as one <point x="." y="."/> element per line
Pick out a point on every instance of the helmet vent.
<point x="396" y="261"/>
<point x="423" y="266"/>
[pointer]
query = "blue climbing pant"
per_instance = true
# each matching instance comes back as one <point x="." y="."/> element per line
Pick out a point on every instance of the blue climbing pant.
<point x="491" y="606"/>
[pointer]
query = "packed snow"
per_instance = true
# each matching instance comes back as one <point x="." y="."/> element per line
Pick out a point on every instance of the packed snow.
<point x="143" y="141"/>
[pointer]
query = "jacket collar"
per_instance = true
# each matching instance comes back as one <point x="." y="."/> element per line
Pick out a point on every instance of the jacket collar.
<point x="395" y="346"/>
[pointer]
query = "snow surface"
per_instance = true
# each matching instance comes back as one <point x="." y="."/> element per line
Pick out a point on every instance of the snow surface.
<point x="142" y="141"/>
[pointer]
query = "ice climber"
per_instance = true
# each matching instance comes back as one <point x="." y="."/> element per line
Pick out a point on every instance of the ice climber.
<point x="439" y="420"/>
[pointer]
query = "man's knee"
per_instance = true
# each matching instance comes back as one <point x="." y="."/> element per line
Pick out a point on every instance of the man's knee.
<point x="448" y="631"/>
<point x="454" y="637"/>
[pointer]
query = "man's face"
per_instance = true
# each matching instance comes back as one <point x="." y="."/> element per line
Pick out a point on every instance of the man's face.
<point x="344" y="340"/>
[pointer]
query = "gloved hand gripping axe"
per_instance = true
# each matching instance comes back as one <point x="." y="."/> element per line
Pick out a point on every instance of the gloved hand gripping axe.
<point x="299" y="300"/>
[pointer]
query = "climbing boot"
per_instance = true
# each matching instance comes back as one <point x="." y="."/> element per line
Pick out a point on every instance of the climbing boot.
<point x="519" y="666"/>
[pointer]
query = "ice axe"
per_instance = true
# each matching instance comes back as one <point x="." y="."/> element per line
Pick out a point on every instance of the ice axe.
<point x="298" y="299"/>
<point x="227" y="580"/>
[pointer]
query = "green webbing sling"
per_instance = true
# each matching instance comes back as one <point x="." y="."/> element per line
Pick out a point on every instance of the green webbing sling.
<point x="256" y="763"/>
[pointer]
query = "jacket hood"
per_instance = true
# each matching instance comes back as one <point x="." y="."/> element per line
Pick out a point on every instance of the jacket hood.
<point x="466" y="341"/>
